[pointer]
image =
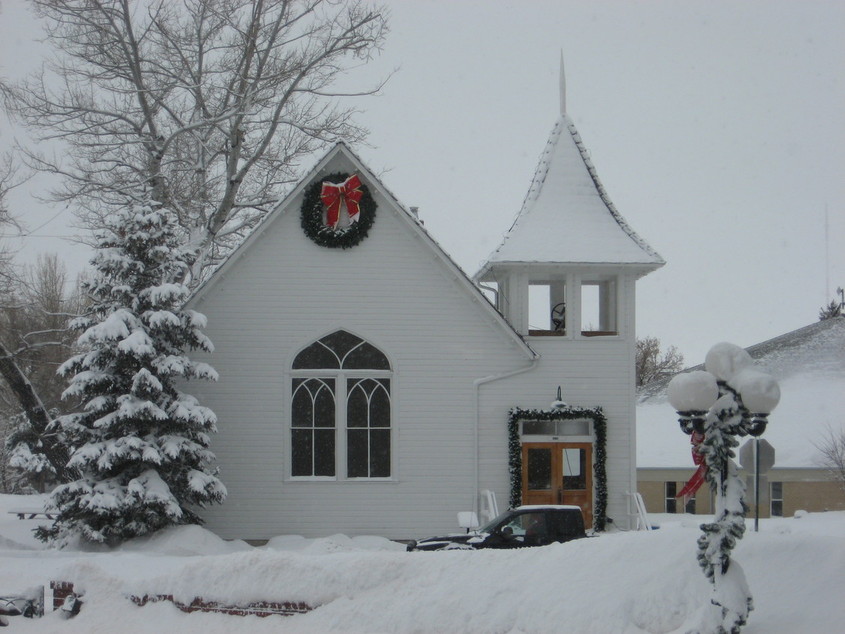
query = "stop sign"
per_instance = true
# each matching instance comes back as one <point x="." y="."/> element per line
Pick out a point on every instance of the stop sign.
<point x="767" y="455"/>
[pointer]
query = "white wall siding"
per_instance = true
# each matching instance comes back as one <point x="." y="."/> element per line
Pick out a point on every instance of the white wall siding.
<point x="392" y="290"/>
<point x="281" y="292"/>
<point x="591" y="372"/>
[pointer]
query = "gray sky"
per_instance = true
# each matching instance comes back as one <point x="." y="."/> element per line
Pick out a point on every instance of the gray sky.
<point x="716" y="127"/>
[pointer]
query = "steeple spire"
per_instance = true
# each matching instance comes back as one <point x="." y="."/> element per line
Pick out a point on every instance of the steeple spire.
<point x="562" y="86"/>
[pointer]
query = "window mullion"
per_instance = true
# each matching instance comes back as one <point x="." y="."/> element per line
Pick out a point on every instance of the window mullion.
<point x="341" y="427"/>
<point x="369" y="434"/>
<point x="314" y="434"/>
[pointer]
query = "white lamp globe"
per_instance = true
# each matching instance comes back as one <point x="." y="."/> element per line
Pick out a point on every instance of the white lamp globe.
<point x="759" y="391"/>
<point x="693" y="391"/>
<point x="726" y="359"/>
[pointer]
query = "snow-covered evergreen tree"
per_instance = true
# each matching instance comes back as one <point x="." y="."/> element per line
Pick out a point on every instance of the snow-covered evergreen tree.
<point x="139" y="443"/>
<point x="30" y="469"/>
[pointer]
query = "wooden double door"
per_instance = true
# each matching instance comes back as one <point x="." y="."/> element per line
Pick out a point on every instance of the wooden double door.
<point x="558" y="473"/>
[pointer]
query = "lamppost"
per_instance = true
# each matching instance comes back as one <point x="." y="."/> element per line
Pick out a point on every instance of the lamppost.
<point x="730" y="398"/>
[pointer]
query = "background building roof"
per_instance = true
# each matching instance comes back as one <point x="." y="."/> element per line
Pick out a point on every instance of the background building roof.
<point x="809" y="364"/>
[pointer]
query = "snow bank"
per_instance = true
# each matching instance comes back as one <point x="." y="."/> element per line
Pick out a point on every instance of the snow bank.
<point x="621" y="582"/>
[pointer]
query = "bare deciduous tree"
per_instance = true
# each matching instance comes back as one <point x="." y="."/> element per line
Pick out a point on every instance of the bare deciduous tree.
<point x="831" y="447"/>
<point x="8" y="181"/>
<point x="34" y="341"/>
<point x="209" y="104"/>
<point x="652" y="364"/>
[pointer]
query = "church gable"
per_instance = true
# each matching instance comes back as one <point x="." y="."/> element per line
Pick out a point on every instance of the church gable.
<point x="384" y="252"/>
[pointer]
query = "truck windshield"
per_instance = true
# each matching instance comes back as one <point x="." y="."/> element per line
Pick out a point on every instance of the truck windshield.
<point x="492" y="524"/>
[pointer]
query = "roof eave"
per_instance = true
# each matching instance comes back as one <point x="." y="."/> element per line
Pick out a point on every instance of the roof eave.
<point x="487" y="271"/>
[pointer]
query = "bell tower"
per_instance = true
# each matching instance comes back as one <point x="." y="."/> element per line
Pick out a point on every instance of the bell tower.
<point x="567" y="267"/>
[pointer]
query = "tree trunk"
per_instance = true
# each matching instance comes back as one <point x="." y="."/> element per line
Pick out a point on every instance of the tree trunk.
<point x="35" y="412"/>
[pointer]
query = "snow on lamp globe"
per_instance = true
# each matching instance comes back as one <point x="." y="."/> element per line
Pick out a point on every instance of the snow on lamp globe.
<point x="760" y="394"/>
<point x="692" y="394"/>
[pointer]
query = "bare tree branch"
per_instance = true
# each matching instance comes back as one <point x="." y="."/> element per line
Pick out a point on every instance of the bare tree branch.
<point x="831" y="447"/>
<point x="211" y="105"/>
<point x="652" y="364"/>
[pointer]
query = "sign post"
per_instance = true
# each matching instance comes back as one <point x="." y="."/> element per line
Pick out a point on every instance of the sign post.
<point x="757" y="455"/>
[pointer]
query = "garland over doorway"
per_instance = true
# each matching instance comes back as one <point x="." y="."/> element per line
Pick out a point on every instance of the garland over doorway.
<point x="557" y="413"/>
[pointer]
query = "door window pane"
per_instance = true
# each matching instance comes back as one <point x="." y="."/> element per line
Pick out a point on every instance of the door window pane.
<point x="539" y="428"/>
<point x="539" y="469"/>
<point x="574" y="469"/>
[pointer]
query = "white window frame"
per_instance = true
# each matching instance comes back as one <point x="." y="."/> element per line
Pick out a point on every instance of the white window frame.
<point x="341" y="378"/>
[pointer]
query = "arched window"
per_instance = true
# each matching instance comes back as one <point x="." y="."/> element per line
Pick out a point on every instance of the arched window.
<point x="340" y="410"/>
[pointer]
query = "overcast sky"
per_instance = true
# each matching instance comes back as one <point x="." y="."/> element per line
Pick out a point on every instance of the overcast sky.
<point x="717" y="129"/>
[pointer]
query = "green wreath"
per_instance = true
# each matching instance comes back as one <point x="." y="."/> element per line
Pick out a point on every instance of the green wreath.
<point x="312" y="210"/>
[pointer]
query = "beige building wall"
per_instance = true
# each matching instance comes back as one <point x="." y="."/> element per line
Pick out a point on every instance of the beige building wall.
<point x="809" y="490"/>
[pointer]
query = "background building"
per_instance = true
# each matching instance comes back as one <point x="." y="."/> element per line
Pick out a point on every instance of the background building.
<point x="809" y="364"/>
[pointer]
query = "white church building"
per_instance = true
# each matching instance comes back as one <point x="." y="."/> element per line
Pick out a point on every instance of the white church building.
<point x="369" y="386"/>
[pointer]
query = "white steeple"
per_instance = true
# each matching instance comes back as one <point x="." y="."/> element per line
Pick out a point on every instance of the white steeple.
<point x="567" y="216"/>
<point x="569" y="237"/>
<point x="562" y="86"/>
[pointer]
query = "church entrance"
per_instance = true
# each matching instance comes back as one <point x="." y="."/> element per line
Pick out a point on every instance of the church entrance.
<point x="558" y="473"/>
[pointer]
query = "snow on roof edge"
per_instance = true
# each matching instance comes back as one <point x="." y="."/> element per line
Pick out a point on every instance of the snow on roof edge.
<point x="537" y="182"/>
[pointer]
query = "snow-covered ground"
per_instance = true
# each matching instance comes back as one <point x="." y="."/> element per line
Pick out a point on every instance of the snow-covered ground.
<point x="616" y="583"/>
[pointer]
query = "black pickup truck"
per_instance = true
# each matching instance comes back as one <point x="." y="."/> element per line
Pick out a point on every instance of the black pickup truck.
<point x="521" y="527"/>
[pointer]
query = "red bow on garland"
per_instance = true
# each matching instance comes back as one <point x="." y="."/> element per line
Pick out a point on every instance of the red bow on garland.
<point x="348" y="192"/>
<point x="698" y="477"/>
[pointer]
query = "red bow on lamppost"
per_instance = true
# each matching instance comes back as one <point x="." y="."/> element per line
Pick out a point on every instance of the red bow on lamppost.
<point x="348" y="192"/>
<point x="698" y="477"/>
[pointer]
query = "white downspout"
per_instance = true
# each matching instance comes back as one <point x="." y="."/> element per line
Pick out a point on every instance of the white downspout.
<point x="477" y="386"/>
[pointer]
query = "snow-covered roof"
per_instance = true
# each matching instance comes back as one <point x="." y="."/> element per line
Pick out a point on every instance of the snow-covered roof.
<point x="567" y="216"/>
<point x="809" y="364"/>
<point x="817" y="349"/>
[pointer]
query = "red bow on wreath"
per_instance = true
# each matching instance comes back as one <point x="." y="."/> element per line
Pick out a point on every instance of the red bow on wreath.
<point x="698" y="477"/>
<point x="348" y="192"/>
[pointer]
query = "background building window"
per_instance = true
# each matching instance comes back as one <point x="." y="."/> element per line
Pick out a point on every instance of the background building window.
<point x="671" y="504"/>
<point x="777" y="499"/>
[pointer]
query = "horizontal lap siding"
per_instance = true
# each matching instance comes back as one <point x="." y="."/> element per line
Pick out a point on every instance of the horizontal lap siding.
<point x="590" y="372"/>
<point x="392" y="291"/>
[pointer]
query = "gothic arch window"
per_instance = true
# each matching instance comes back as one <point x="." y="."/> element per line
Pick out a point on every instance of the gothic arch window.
<point x="340" y="425"/>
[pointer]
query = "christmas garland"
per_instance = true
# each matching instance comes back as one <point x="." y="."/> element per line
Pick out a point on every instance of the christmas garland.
<point x="313" y="210"/>
<point x="599" y="452"/>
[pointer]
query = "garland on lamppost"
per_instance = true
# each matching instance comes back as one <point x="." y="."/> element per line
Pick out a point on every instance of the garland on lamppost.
<point x="561" y="412"/>
<point x="730" y="398"/>
<point x="315" y="216"/>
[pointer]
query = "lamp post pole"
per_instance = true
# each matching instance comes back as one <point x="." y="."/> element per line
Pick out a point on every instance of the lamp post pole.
<point x="730" y="398"/>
